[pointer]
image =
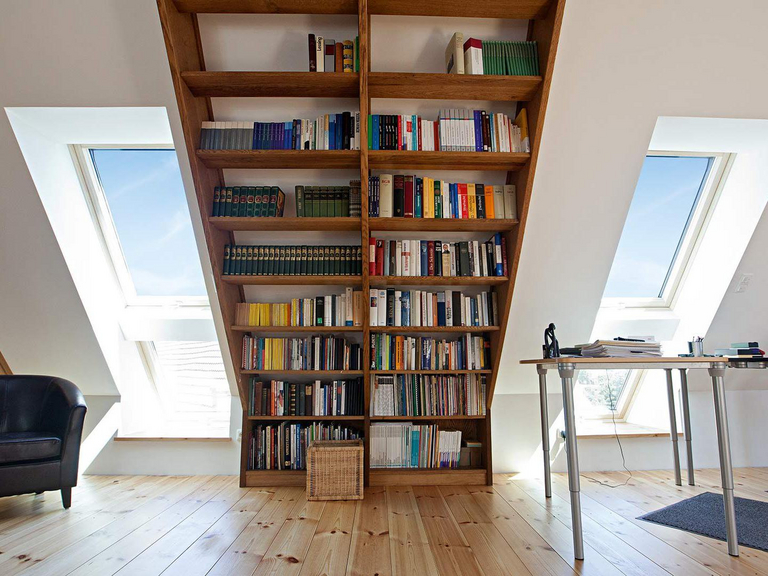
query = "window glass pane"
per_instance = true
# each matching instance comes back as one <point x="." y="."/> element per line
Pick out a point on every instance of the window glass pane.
<point x="149" y="209"/>
<point x="665" y="197"/>
<point x="598" y="391"/>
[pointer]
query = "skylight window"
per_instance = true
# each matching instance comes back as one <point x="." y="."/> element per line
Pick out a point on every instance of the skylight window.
<point x="660" y="221"/>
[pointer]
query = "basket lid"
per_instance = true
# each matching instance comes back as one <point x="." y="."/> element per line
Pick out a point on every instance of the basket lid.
<point x="335" y="443"/>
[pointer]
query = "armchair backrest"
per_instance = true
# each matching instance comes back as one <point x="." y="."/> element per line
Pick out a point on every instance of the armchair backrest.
<point x="37" y="404"/>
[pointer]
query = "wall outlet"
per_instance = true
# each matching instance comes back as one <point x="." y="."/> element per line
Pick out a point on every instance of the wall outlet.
<point x="743" y="283"/>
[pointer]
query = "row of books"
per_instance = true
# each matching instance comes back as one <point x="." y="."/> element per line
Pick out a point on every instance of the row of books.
<point x="278" y="398"/>
<point x="327" y="55"/>
<point x="407" y="196"/>
<point x="455" y="130"/>
<point x="428" y="395"/>
<point x="328" y="132"/>
<point x="329" y="310"/>
<point x="328" y="201"/>
<point x="436" y="258"/>
<point x="405" y="445"/>
<point x="475" y="56"/>
<point x="312" y="353"/>
<point x="393" y="352"/>
<point x="302" y="260"/>
<point x="284" y="446"/>
<point x="392" y="307"/>
<point x="248" y="201"/>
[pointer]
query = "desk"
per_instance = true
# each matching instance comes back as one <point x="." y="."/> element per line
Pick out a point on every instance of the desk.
<point x="566" y="367"/>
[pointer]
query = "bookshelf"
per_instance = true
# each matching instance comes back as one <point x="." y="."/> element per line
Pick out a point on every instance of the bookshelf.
<point x="195" y="86"/>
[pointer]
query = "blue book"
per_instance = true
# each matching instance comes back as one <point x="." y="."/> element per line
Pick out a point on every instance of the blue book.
<point x="424" y="258"/>
<point x="417" y="196"/>
<point x="478" y="130"/>
<point x="375" y="140"/>
<point x="493" y="132"/>
<point x="255" y="143"/>
<point x="441" y="308"/>
<point x="415" y="448"/>
<point x="415" y="132"/>
<point x="405" y="307"/>
<point x="339" y="131"/>
<point x="497" y="254"/>
<point x="287" y="133"/>
<point x="332" y="133"/>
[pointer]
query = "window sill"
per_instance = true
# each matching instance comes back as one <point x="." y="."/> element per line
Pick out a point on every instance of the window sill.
<point x="169" y="439"/>
<point x="603" y="430"/>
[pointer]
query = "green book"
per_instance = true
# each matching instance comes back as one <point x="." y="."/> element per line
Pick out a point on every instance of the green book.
<point x="281" y="261"/>
<point x="265" y="201"/>
<point x="338" y="201"/>
<point x="228" y="201"/>
<point x="243" y="201"/>
<point x="299" y="201"/>
<point x="257" y="200"/>
<point x="370" y="132"/>
<point x="235" y="202"/>
<point x="250" y="201"/>
<point x="325" y="202"/>
<point x="227" y="259"/>
<point x="216" y="200"/>
<point x="259" y="265"/>
<point x="274" y="192"/>
<point x="345" y="192"/>
<point x="239" y="260"/>
<point x="249" y="261"/>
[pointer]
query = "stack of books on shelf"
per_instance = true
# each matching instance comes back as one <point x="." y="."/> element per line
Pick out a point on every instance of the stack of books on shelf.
<point x="428" y="395"/>
<point x="475" y="56"/>
<point x="455" y="130"/>
<point x="391" y="307"/>
<point x="313" y="353"/>
<point x="292" y="260"/>
<point x="248" y="201"/>
<point x="405" y="445"/>
<point x="407" y="196"/>
<point x="621" y="348"/>
<point x="390" y="352"/>
<point x="329" y="310"/>
<point x="328" y="201"/>
<point x="328" y="132"/>
<point x="741" y="350"/>
<point x="327" y="55"/>
<point x="437" y="258"/>
<point x="278" y="398"/>
<point x="284" y="446"/>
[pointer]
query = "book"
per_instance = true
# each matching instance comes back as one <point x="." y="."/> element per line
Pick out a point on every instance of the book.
<point x="473" y="56"/>
<point x="304" y="311"/>
<point x="348" y="60"/>
<point x="510" y="201"/>
<point x="312" y="53"/>
<point x="308" y="353"/>
<point x="320" y="53"/>
<point x="283" y="446"/>
<point x="329" y="57"/>
<point x="292" y="260"/>
<point x="281" y="398"/>
<point x="386" y="196"/>
<point x="454" y="54"/>
<point x="429" y="395"/>
<point x="395" y="352"/>
<point x="406" y="445"/>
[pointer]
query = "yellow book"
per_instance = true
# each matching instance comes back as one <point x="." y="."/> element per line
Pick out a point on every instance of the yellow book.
<point x="431" y="198"/>
<point x="472" y="200"/>
<point x="522" y="122"/>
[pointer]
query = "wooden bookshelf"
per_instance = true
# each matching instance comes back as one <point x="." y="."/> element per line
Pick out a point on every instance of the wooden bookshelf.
<point x="195" y="86"/>
<point x="306" y="418"/>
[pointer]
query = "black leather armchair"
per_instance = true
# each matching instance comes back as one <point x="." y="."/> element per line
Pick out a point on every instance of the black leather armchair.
<point x="41" y="423"/>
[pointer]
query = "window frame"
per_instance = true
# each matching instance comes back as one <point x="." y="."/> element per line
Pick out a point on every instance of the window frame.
<point x="623" y="402"/>
<point x="101" y="215"/>
<point x="698" y="220"/>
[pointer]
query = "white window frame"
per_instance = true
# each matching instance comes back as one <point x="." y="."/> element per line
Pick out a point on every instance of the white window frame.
<point x="695" y="229"/>
<point x="107" y="232"/>
<point x="623" y="402"/>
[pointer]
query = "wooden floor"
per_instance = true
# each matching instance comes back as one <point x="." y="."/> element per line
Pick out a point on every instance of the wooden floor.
<point x="208" y="525"/>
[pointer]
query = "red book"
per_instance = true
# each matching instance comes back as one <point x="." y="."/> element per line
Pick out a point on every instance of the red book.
<point x="379" y="257"/>
<point x="372" y="257"/>
<point x="431" y="258"/>
<point x="399" y="132"/>
<point x="504" y="256"/>
<point x="463" y="202"/>
<point x="408" y="184"/>
<point x="437" y="135"/>
<point x="312" y="53"/>
<point x="418" y="121"/>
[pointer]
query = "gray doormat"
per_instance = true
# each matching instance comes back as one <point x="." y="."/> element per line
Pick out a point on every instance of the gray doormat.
<point x="704" y="514"/>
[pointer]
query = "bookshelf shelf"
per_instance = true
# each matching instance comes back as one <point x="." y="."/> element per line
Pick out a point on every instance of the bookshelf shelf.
<point x="442" y="224"/>
<point x="292" y="280"/>
<point x="299" y="329"/>
<point x="238" y="224"/>
<point x="268" y="159"/>
<point x="420" y="160"/>
<point x="273" y="84"/>
<point x="432" y="329"/>
<point x="434" y="280"/>
<point x="195" y="87"/>
<point x="306" y="418"/>
<point x="452" y="86"/>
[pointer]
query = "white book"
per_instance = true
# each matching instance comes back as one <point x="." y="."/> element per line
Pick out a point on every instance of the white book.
<point x="473" y="56"/>
<point x="357" y="131"/>
<point x="398" y="258"/>
<point x="406" y="257"/>
<point x="373" y="315"/>
<point x="454" y="54"/>
<point x="510" y="201"/>
<point x="415" y="307"/>
<point x="382" y="307"/>
<point x="320" y="53"/>
<point x="483" y="305"/>
<point x="349" y="316"/>
<point x="385" y="195"/>
<point x="449" y="307"/>
<point x="398" y="308"/>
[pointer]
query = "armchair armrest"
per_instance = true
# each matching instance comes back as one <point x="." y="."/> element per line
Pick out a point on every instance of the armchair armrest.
<point x="63" y="413"/>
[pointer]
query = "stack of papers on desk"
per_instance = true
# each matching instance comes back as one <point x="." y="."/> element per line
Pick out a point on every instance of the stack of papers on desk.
<point x="621" y="349"/>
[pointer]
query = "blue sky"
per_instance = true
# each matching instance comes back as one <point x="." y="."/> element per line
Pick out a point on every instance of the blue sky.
<point x="146" y="196"/>
<point x="665" y="194"/>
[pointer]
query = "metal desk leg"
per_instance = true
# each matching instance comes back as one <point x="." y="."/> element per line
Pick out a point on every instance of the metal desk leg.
<point x="545" y="429"/>
<point x="717" y="372"/>
<point x="673" y="427"/>
<point x="572" y="456"/>
<point x="687" y="424"/>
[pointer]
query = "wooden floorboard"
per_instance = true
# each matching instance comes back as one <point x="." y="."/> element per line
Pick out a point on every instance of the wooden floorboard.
<point x="208" y="525"/>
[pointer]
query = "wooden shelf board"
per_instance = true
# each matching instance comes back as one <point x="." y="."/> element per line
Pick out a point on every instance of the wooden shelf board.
<point x="293" y="159"/>
<point x="519" y="9"/>
<point x="427" y="476"/>
<point x="452" y="86"/>
<point x="270" y="224"/>
<point x="276" y="478"/>
<point x="434" y="280"/>
<point x="432" y="329"/>
<point x="423" y="418"/>
<point x="305" y="418"/>
<point x="442" y="224"/>
<point x="293" y="280"/>
<point x="409" y="159"/>
<point x="318" y="373"/>
<point x="302" y="329"/>
<point x="373" y="372"/>
<point x="273" y="84"/>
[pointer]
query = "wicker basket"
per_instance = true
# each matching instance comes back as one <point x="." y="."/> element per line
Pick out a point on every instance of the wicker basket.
<point x="335" y="470"/>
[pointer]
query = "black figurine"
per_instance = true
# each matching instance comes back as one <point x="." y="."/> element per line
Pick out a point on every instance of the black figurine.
<point x="551" y="346"/>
